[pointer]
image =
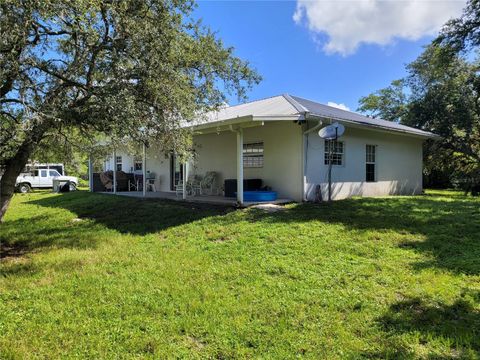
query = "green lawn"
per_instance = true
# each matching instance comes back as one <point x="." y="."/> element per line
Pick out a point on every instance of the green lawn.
<point x="98" y="276"/>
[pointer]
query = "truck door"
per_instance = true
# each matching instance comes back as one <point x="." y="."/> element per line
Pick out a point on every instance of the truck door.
<point x="34" y="178"/>
<point x="44" y="179"/>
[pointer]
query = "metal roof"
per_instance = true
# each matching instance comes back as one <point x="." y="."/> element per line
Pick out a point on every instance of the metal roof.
<point x="288" y="106"/>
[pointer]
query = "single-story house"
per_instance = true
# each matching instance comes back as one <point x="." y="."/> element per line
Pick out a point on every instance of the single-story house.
<point x="276" y="140"/>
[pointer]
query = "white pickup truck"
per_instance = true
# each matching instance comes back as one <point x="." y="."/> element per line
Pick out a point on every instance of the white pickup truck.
<point x="43" y="178"/>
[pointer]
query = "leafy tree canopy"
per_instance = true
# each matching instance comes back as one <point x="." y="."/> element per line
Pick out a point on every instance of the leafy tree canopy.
<point x="123" y="68"/>
<point x="441" y="94"/>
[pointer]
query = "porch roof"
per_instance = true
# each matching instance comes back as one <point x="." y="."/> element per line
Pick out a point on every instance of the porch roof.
<point x="289" y="107"/>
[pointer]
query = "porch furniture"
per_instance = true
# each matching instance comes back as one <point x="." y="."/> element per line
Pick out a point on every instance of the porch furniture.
<point x="138" y="179"/>
<point x="194" y="185"/>
<point x="132" y="184"/>
<point x="230" y="186"/>
<point x="208" y="184"/>
<point x="107" y="180"/>
<point x="179" y="188"/>
<point x="150" y="185"/>
<point x="97" y="183"/>
<point x="150" y="182"/>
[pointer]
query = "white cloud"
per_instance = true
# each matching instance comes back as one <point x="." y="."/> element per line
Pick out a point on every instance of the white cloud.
<point x="347" y="24"/>
<point x="338" y="106"/>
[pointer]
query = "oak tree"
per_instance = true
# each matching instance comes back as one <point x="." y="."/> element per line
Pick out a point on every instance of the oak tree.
<point x="122" y="68"/>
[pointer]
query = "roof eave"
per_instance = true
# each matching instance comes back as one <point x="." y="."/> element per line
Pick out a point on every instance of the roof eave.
<point x="423" y="134"/>
<point x="243" y="119"/>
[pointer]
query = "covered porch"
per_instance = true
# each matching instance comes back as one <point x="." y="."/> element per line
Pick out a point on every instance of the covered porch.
<point x="148" y="176"/>
<point x="268" y="151"/>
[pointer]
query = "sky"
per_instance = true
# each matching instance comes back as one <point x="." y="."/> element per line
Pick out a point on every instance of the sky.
<point x="328" y="51"/>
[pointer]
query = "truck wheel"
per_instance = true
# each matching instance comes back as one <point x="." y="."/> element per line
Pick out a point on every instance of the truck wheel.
<point x="72" y="186"/>
<point x="24" y="188"/>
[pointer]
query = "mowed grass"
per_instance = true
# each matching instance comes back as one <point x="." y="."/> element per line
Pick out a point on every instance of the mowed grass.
<point x="104" y="277"/>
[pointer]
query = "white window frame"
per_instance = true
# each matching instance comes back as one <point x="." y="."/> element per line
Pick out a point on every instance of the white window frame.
<point x="371" y="161"/>
<point x="326" y="151"/>
<point x="118" y="161"/>
<point x="137" y="160"/>
<point x="253" y="154"/>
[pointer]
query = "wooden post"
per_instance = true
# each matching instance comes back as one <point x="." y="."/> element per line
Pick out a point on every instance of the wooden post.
<point x="114" y="171"/>
<point x="144" y="169"/>
<point x="240" y="166"/>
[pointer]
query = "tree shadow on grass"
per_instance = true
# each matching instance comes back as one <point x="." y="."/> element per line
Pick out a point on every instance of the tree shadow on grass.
<point x="449" y="226"/>
<point x="24" y="235"/>
<point x="454" y="329"/>
<point x="131" y="215"/>
<point x="94" y="213"/>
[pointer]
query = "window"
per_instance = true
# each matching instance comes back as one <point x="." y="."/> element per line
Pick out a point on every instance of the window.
<point x="118" y="163"/>
<point x="370" y="151"/>
<point x="253" y="155"/>
<point x="137" y="163"/>
<point x="336" y="148"/>
<point x="43" y="173"/>
<point x="53" y="173"/>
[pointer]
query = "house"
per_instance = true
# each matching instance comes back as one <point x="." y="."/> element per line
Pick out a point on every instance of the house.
<point x="276" y="140"/>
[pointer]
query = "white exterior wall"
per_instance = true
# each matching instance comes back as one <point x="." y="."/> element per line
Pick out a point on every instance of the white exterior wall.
<point x="398" y="161"/>
<point x="398" y="165"/>
<point x="282" y="169"/>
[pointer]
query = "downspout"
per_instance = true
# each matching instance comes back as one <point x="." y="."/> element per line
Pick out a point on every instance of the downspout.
<point x="305" y="143"/>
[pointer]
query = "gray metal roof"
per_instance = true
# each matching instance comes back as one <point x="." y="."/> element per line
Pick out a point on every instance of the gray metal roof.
<point x="287" y="106"/>
<point x="349" y="116"/>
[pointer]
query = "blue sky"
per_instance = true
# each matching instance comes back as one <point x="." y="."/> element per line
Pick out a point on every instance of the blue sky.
<point x="292" y="57"/>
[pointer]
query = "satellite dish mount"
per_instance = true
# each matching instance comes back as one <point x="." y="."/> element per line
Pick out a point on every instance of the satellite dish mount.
<point x="331" y="132"/>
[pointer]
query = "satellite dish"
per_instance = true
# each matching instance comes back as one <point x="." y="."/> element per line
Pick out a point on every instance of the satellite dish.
<point x="332" y="131"/>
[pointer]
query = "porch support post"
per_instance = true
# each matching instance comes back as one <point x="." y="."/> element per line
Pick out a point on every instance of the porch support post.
<point x="114" y="171"/>
<point x="90" y="173"/>
<point x="184" y="181"/>
<point x="240" y="166"/>
<point x="144" y="169"/>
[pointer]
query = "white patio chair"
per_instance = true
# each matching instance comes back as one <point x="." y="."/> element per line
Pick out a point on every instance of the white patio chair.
<point x="208" y="183"/>
<point x="194" y="185"/>
<point x="150" y="182"/>
<point x="179" y="188"/>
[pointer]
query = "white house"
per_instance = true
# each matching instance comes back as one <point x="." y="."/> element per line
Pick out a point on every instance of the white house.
<point x="276" y="140"/>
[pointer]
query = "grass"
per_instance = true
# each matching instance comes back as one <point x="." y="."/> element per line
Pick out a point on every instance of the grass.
<point x="97" y="276"/>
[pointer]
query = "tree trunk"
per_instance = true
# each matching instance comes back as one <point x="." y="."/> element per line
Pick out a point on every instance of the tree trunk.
<point x="14" y="166"/>
<point x="12" y="169"/>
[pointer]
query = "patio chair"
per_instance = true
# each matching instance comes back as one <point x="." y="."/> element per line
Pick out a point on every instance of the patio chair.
<point x="106" y="179"/>
<point x="179" y="188"/>
<point x="194" y="185"/>
<point x="138" y="179"/>
<point x="150" y="182"/>
<point x="132" y="183"/>
<point x="208" y="183"/>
